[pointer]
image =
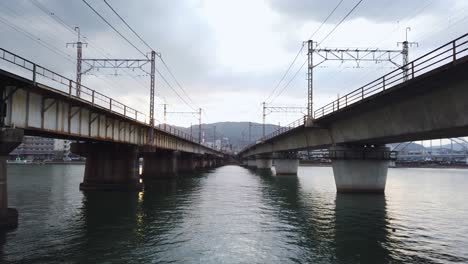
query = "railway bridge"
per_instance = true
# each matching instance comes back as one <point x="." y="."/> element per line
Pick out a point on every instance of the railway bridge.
<point x="428" y="103"/>
<point x="111" y="135"/>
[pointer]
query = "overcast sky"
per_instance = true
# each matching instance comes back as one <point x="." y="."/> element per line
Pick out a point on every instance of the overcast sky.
<point x="227" y="55"/>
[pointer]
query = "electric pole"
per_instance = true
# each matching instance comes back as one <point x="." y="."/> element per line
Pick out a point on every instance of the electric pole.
<point x="79" y="56"/>
<point x="165" y="113"/>
<point x="263" y="127"/>
<point x="199" y="113"/>
<point x="283" y="109"/>
<point x="214" y="136"/>
<point x="250" y="132"/>
<point x="116" y="64"/>
<point x="199" y="126"/>
<point x="310" y="91"/>
<point x="357" y="55"/>
<point x="405" y="53"/>
<point x="153" y="68"/>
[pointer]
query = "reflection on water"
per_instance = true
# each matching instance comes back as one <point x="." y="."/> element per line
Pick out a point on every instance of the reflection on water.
<point x="361" y="228"/>
<point x="235" y="215"/>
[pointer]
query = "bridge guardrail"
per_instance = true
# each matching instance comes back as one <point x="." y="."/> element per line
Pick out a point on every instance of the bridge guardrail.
<point x="440" y="56"/>
<point x="297" y="123"/>
<point x="44" y="76"/>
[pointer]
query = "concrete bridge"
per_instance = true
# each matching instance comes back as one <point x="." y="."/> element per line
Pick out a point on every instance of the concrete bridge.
<point x="429" y="103"/>
<point x="112" y="136"/>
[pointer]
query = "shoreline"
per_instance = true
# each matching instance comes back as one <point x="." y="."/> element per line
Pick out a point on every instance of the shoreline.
<point x="398" y="166"/>
<point x="48" y="162"/>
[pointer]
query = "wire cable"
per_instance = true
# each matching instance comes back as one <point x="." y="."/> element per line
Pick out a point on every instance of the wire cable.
<point x="289" y="82"/>
<point x="341" y="21"/>
<point x="300" y="50"/>
<point x="286" y="73"/>
<point x="159" y="55"/>
<point x="110" y="25"/>
<point x="125" y="22"/>
<point x="326" y="19"/>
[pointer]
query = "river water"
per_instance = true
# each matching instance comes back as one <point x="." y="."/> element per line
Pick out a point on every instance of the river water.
<point x="234" y="215"/>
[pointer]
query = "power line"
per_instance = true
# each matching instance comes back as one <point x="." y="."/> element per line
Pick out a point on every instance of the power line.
<point x="159" y="55"/>
<point x="171" y="87"/>
<point x="337" y="25"/>
<point x="289" y="82"/>
<point x="37" y="39"/>
<point x="110" y="25"/>
<point x="326" y="19"/>
<point x="300" y="50"/>
<point x="177" y="82"/>
<point x="286" y="73"/>
<point x="123" y="20"/>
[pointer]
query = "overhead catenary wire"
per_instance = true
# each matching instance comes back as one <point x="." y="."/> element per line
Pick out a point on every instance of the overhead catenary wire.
<point x="300" y="50"/>
<point x="159" y="55"/>
<point x="117" y="31"/>
<point x="329" y="33"/>
<point x="125" y="22"/>
<point x="339" y="23"/>
<point x="289" y="82"/>
<point x="286" y="73"/>
<point x="326" y="19"/>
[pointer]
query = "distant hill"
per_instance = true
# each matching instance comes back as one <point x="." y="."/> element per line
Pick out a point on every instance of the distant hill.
<point x="236" y="132"/>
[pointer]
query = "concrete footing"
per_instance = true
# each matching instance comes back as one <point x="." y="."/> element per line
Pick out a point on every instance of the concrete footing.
<point x="286" y="166"/>
<point x="360" y="169"/>
<point x="9" y="139"/>
<point x="109" y="166"/>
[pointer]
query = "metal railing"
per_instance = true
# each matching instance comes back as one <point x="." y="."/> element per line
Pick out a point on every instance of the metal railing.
<point x="445" y="54"/>
<point x="442" y="55"/>
<point x="43" y="76"/>
<point x="362" y="154"/>
<point x="299" y="122"/>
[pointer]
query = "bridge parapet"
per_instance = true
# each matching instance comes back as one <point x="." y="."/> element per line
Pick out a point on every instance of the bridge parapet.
<point x="46" y="103"/>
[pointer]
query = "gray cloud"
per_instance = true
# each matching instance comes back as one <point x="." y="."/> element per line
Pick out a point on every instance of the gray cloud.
<point x="374" y="10"/>
<point x="179" y="30"/>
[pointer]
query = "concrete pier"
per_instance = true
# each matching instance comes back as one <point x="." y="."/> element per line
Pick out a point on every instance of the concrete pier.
<point x="159" y="164"/>
<point x="109" y="166"/>
<point x="286" y="163"/>
<point x="360" y="169"/>
<point x="286" y="166"/>
<point x="251" y="163"/>
<point x="263" y="162"/>
<point x="186" y="163"/>
<point x="9" y="139"/>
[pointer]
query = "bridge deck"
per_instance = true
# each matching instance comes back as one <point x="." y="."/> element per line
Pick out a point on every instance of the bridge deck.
<point x="42" y="110"/>
<point x="431" y="104"/>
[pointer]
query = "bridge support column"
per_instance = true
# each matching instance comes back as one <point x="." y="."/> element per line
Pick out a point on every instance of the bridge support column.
<point x="199" y="162"/>
<point x="9" y="140"/>
<point x="160" y="164"/>
<point x="263" y="162"/>
<point x="251" y="163"/>
<point x="286" y="164"/>
<point x="186" y="163"/>
<point x="109" y="166"/>
<point x="360" y="169"/>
